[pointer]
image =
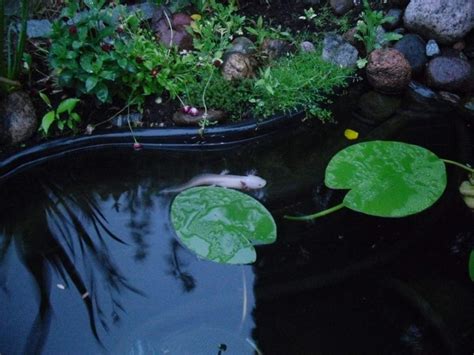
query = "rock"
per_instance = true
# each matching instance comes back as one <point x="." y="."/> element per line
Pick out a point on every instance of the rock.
<point x="18" y="120"/>
<point x="340" y="7"/>
<point x="338" y="51"/>
<point x="307" y="47"/>
<point x="349" y="36"/>
<point x="388" y="71"/>
<point x="432" y="48"/>
<point x="449" y="97"/>
<point x="421" y="93"/>
<point x="213" y="116"/>
<point x="312" y="2"/>
<point x="396" y="18"/>
<point x="135" y="118"/>
<point x="450" y="74"/>
<point x="459" y="46"/>
<point x="276" y="48"/>
<point x="243" y="45"/>
<point x="399" y="3"/>
<point x="377" y="107"/>
<point x="445" y="21"/>
<point x="469" y="50"/>
<point x="38" y="28"/>
<point x="238" y="66"/>
<point x="413" y="47"/>
<point x="469" y="105"/>
<point x="177" y="35"/>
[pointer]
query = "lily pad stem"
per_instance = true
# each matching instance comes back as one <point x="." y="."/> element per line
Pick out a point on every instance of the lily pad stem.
<point x="315" y="215"/>
<point x="462" y="166"/>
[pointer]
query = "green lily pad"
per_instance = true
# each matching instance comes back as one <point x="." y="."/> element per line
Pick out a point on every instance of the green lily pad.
<point x="387" y="179"/>
<point x="221" y="225"/>
<point x="471" y="265"/>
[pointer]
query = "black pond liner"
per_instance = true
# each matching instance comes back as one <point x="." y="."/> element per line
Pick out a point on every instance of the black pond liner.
<point x="212" y="138"/>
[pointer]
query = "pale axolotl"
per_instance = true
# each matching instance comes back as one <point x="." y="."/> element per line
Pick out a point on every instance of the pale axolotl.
<point x="241" y="182"/>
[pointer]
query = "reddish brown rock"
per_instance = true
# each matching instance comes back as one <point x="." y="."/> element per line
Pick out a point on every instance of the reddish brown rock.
<point x="388" y="71"/>
<point x="176" y="34"/>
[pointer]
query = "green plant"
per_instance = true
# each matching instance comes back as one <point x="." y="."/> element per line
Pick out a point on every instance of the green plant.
<point x="260" y="31"/>
<point x="107" y="53"/>
<point x="11" y="58"/>
<point x="213" y="34"/>
<point x="325" y="18"/>
<point x="64" y="116"/>
<point x="178" y="5"/>
<point x="367" y="28"/>
<point x="300" y="81"/>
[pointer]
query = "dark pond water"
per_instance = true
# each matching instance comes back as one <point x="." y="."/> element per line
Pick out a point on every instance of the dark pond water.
<point x="89" y="262"/>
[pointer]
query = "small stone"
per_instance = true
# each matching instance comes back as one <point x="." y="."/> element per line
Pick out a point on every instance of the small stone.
<point x="184" y="119"/>
<point x="388" y="71"/>
<point x="18" y="120"/>
<point x="276" y="48"/>
<point x="307" y="47"/>
<point x="449" y="98"/>
<point x="243" y="45"/>
<point x="376" y="107"/>
<point x="338" y="51"/>
<point x="38" y="28"/>
<point x="396" y="19"/>
<point x="238" y="66"/>
<point x="432" y="48"/>
<point x="459" y="46"/>
<point x="340" y="7"/>
<point x="466" y="189"/>
<point x="135" y="118"/>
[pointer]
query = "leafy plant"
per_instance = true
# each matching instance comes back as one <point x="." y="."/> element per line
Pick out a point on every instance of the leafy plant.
<point x="221" y="225"/>
<point x="325" y="18"/>
<point x="64" y="116"/>
<point x="11" y="51"/>
<point x="178" y="5"/>
<point x="367" y="28"/>
<point x="260" y="31"/>
<point x="300" y="81"/>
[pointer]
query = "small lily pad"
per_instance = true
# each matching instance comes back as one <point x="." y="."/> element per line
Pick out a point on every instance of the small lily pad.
<point x="221" y="225"/>
<point x="387" y="179"/>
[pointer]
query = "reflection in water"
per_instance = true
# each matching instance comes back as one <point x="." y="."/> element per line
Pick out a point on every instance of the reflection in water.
<point x="176" y="268"/>
<point x="57" y="237"/>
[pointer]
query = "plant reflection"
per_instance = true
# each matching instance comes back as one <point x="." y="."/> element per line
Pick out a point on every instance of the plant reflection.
<point x="188" y="282"/>
<point x="60" y="229"/>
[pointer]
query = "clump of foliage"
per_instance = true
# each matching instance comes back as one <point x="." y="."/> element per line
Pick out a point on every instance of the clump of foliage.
<point x="367" y="28"/>
<point x="63" y="116"/>
<point x="261" y="31"/>
<point x="324" y="18"/>
<point x="106" y="53"/>
<point x="300" y="81"/>
<point x="11" y="52"/>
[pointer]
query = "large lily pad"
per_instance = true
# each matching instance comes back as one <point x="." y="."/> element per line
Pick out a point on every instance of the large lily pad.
<point x="387" y="179"/>
<point x="222" y="225"/>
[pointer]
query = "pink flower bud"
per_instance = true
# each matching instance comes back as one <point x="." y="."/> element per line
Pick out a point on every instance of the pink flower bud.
<point x="137" y="146"/>
<point x="186" y="109"/>
<point x="193" y="111"/>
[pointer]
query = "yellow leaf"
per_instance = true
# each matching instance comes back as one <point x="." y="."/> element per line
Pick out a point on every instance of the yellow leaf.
<point x="351" y="134"/>
<point x="196" y="17"/>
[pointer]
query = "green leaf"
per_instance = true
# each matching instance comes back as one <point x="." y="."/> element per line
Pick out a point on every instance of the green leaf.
<point x="86" y="63"/>
<point x="75" y="116"/>
<point x="67" y="105"/>
<point x="45" y="98"/>
<point x="471" y="265"/>
<point x="91" y="82"/>
<point x="102" y="92"/>
<point x="221" y="225"/>
<point x="387" y="179"/>
<point x="47" y="120"/>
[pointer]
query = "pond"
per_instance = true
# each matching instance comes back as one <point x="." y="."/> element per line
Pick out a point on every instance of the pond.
<point x="89" y="262"/>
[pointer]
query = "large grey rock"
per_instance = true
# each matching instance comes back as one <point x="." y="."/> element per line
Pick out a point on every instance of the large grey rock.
<point x="444" y="20"/>
<point x="413" y="47"/>
<point x="337" y="51"/>
<point x="18" y="120"/>
<point x="238" y="66"/>
<point x="450" y="74"/>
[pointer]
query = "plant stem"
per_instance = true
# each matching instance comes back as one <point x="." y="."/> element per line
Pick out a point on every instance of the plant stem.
<point x="315" y="215"/>
<point x="204" y="94"/>
<point x="462" y="166"/>
<point x="2" y="37"/>
<point x="25" y="6"/>
<point x="9" y="82"/>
